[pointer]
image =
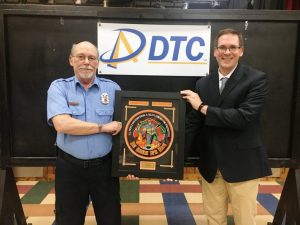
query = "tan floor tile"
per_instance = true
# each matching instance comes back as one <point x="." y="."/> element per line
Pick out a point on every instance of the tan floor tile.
<point x="129" y="209"/>
<point x="268" y="183"/>
<point x="153" y="220"/>
<point x="193" y="197"/>
<point x="261" y="211"/>
<point x="149" y="181"/>
<point x="195" y="182"/>
<point x="26" y="182"/>
<point x="38" y="210"/>
<point x="151" y="198"/>
<point x="196" y="208"/>
<point x="90" y="220"/>
<point x="49" y="199"/>
<point x="45" y="220"/>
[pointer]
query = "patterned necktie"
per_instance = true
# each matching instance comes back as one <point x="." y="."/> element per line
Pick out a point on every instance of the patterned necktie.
<point x="223" y="82"/>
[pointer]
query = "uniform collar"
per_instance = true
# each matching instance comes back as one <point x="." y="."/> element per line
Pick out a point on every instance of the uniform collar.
<point x="96" y="82"/>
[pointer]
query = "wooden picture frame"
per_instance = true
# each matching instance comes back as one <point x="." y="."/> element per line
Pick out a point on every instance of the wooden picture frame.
<point x="151" y="142"/>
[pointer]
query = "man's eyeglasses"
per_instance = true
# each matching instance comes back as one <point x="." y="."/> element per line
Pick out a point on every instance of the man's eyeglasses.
<point x="232" y="48"/>
<point x="83" y="57"/>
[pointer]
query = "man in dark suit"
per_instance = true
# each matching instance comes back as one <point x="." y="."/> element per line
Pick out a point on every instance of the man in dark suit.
<point x="225" y="120"/>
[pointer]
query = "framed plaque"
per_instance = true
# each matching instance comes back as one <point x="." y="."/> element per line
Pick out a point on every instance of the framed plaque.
<point x="151" y="142"/>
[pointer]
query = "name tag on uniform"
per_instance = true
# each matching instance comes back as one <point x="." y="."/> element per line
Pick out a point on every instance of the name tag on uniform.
<point x="73" y="103"/>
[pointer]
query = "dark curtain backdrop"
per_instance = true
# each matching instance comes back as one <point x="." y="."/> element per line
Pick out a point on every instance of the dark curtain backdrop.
<point x="292" y="4"/>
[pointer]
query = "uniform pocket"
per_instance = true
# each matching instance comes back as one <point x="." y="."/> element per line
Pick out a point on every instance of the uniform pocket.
<point x="104" y="115"/>
<point x="77" y="112"/>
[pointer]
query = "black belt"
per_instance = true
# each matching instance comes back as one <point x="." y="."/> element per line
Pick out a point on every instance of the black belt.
<point x="84" y="163"/>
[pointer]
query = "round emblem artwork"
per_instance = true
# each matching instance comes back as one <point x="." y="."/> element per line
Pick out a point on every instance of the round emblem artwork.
<point x="149" y="134"/>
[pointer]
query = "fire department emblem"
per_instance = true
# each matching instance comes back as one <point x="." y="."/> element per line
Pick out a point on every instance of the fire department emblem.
<point x="149" y="134"/>
<point x="104" y="98"/>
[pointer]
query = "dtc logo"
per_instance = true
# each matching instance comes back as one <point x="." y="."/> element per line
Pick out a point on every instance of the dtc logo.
<point x="160" y="49"/>
<point x="114" y="59"/>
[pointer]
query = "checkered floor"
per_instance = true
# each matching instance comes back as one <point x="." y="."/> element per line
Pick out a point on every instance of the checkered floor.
<point x="146" y="202"/>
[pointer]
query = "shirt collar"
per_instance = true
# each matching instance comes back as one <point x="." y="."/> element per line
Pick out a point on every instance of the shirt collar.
<point x="228" y="75"/>
<point x="95" y="82"/>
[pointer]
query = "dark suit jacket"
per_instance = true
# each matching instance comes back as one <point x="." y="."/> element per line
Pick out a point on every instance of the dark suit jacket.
<point x="229" y="136"/>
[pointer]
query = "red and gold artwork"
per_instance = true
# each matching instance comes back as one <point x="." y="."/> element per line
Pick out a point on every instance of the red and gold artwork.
<point x="149" y="134"/>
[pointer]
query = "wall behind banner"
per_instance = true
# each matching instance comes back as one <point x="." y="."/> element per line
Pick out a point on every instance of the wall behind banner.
<point x="30" y="65"/>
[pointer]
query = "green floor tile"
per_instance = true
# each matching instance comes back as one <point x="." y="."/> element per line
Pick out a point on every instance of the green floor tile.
<point x="130" y="220"/>
<point x="130" y="190"/>
<point x="37" y="193"/>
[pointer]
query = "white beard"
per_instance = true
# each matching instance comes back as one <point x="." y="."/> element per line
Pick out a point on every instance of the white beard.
<point x="88" y="76"/>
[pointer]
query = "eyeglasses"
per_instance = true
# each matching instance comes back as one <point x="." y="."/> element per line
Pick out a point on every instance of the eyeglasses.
<point x="232" y="48"/>
<point x="83" y="57"/>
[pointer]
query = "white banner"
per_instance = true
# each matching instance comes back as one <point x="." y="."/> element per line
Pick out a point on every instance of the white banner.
<point x="162" y="50"/>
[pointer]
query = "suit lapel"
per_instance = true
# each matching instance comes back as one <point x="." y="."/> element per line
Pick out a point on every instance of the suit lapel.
<point x="231" y="83"/>
<point x="212" y="94"/>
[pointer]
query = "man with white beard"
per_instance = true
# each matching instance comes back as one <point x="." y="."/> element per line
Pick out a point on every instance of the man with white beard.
<point x="81" y="110"/>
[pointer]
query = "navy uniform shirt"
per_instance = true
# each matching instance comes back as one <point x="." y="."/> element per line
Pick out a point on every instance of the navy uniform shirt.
<point x="96" y="104"/>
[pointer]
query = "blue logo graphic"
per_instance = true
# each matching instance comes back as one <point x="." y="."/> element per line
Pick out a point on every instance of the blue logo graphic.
<point x="156" y="55"/>
<point x="114" y="59"/>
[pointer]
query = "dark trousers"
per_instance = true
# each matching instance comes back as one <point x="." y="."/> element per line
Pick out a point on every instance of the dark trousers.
<point x="75" y="185"/>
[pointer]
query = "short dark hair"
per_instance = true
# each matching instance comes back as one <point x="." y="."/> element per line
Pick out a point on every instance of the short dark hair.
<point x="229" y="31"/>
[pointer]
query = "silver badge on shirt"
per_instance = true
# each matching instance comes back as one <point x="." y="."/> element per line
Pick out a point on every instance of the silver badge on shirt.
<point x="104" y="98"/>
